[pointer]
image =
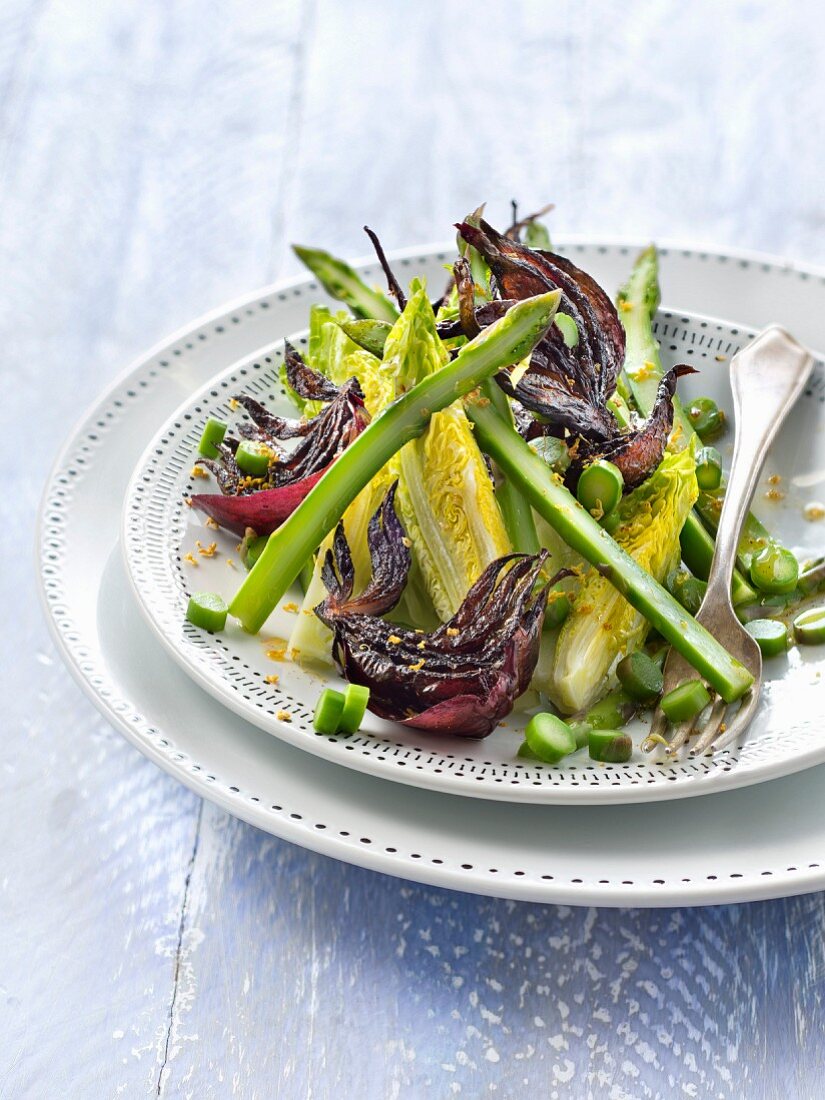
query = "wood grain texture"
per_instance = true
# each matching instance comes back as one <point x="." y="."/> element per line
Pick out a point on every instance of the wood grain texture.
<point x="347" y="983"/>
<point x="155" y="159"/>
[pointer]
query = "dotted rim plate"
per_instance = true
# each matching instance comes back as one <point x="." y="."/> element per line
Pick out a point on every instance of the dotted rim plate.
<point x="749" y="845"/>
<point x="158" y="530"/>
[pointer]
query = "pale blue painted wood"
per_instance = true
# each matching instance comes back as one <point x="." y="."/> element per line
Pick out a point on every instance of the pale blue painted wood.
<point x="317" y="979"/>
<point x="155" y="159"/>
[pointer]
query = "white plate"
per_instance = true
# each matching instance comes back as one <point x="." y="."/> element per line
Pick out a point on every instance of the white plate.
<point x="160" y="539"/>
<point x="762" y="842"/>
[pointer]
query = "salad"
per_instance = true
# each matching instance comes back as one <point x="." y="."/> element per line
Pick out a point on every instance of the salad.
<point x="492" y="491"/>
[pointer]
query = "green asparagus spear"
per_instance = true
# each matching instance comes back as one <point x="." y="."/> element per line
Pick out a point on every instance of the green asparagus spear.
<point x="638" y="301"/>
<point x="506" y="342"/>
<point x="516" y="510"/>
<point x="342" y="282"/>
<point x="755" y="541"/>
<point x="478" y="265"/>
<point x="582" y="533"/>
<point x="568" y="328"/>
<point x="697" y="554"/>
<point x="537" y="235"/>
<point x="534" y="232"/>
<point x="517" y="513"/>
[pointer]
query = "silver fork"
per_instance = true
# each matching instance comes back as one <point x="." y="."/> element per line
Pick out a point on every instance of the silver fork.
<point x="766" y="378"/>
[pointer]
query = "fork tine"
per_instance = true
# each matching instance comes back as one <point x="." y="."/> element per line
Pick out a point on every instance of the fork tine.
<point x="683" y="731"/>
<point x="740" y="721"/>
<point x="711" y="727"/>
<point x="657" y="730"/>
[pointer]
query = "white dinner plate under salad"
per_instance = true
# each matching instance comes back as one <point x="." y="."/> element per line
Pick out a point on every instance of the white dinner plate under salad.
<point x="163" y="540"/>
<point x="764" y="841"/>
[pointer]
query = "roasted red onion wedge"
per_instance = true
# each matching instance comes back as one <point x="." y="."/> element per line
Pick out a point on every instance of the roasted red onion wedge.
<point x="462" y="678"/>
<point x="569" y="387"/>
<point x="263" y="511"/>
<point x="638" y="453"/>
<point x="306" y="382"/>
<point x="264" y="503"/>
<point x="518" y="224"/>
<point x="485" y="314"/>
<point x="573" y="383"/>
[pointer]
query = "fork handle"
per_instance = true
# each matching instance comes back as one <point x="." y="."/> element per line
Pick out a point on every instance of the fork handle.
<point x="766" y="378"/>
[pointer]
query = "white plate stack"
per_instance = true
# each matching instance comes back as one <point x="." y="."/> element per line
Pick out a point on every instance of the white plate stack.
<point x="521" y="836"/>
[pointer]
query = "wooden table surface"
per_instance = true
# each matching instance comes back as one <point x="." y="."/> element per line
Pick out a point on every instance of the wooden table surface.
<point x="156" y="158"/>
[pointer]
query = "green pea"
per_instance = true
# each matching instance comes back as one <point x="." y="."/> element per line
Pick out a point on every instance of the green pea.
<point x="706" y="418"/>
<point x="708" y="468"/>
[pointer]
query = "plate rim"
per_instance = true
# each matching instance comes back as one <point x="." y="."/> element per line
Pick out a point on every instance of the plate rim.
<point x="694" y="893"/>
